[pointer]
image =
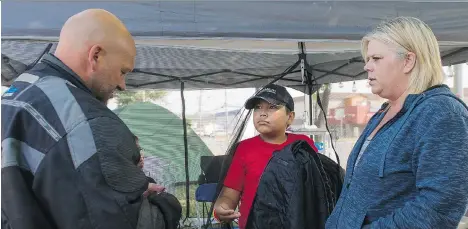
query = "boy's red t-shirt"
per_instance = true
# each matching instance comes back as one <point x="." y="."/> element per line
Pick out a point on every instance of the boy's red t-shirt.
<point x="251" y="158"/>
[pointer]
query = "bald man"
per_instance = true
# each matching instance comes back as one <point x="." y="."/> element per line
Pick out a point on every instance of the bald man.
<point x="67" y="160"/>
<point x="99" y="49"/>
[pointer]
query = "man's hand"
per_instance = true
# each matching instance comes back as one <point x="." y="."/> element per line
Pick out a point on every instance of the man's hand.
<point x="226" y="214"/>
<point x="152" y="187"/>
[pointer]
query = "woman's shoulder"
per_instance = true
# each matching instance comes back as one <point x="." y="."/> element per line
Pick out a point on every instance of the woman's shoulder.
<point x="443" y="104"/>
<point x="444" y="111"/>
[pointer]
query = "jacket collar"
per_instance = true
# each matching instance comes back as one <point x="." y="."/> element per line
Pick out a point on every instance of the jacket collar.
<point x="411" y="98"/>
<point x="66" y="73"/>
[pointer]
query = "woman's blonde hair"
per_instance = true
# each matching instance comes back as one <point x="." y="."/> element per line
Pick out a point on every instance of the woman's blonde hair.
<point x="410" y="34"/>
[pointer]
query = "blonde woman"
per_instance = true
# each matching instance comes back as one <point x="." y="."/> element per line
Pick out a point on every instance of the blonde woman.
<point x="408" y="168"/>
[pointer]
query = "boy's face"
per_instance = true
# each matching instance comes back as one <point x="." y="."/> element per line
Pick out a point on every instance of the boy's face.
<point x="270" y="119"/>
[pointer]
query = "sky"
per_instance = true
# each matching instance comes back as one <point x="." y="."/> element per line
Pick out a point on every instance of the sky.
<point x="214" y="100"/>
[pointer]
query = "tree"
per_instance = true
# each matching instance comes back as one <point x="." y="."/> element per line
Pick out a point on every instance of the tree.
<point x="127" y="97"/>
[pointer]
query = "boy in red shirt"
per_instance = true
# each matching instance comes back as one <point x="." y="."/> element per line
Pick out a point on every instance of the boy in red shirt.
<point x="273" y="113"/>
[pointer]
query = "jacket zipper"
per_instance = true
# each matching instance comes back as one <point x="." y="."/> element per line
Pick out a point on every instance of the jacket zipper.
<point x="348" y="184"/>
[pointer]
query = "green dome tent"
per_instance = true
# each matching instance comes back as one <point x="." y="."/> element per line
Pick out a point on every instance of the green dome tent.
<point x="161" y="135"/>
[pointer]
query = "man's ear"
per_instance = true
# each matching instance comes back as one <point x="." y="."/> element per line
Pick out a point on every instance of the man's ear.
<point x="410" y="62"/>
<point x="94" y="56"/>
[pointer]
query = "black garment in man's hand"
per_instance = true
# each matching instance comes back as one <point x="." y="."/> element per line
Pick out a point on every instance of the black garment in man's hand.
<point x="169" y="206"/>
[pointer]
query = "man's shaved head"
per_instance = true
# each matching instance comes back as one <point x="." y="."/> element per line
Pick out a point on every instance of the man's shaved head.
<point x="97" y="46"/>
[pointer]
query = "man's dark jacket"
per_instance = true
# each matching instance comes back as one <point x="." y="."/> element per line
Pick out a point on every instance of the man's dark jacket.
<point x="298" y="190"/>
<point x="67" y="160"/>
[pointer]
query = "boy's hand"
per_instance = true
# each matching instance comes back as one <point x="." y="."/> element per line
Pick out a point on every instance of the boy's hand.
<point x="226" y="214"/>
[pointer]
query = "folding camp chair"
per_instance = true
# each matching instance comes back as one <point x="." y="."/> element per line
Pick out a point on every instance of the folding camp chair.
<point x="211" y="168"/>
<point x="205" y="193"/>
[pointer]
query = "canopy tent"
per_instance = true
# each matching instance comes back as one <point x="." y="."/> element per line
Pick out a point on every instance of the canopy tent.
<point x="163" y="150"/>
<point x="227" y="44"/>
<point x="233" y="44"/>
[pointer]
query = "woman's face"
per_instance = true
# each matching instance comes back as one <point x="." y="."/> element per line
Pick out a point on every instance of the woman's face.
<point x="388" y="71"/>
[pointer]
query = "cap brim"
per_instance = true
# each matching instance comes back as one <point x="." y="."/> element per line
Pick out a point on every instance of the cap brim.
<point x="250" y="104"/>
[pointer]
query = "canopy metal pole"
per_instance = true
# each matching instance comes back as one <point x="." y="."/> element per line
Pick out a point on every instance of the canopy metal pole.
<point x="306" y="76"/>
<point x="187" y="176"/>
<point x="226" y="110"/>
<point x="311" y="119"/>
<point x="458" y="79"/>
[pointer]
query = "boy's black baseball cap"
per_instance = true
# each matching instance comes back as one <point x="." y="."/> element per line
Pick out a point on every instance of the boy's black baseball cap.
<point x="273" y="94"/>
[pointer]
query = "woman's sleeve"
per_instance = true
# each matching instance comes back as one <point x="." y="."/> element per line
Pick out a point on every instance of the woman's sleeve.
<point x="441" y="160"/>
